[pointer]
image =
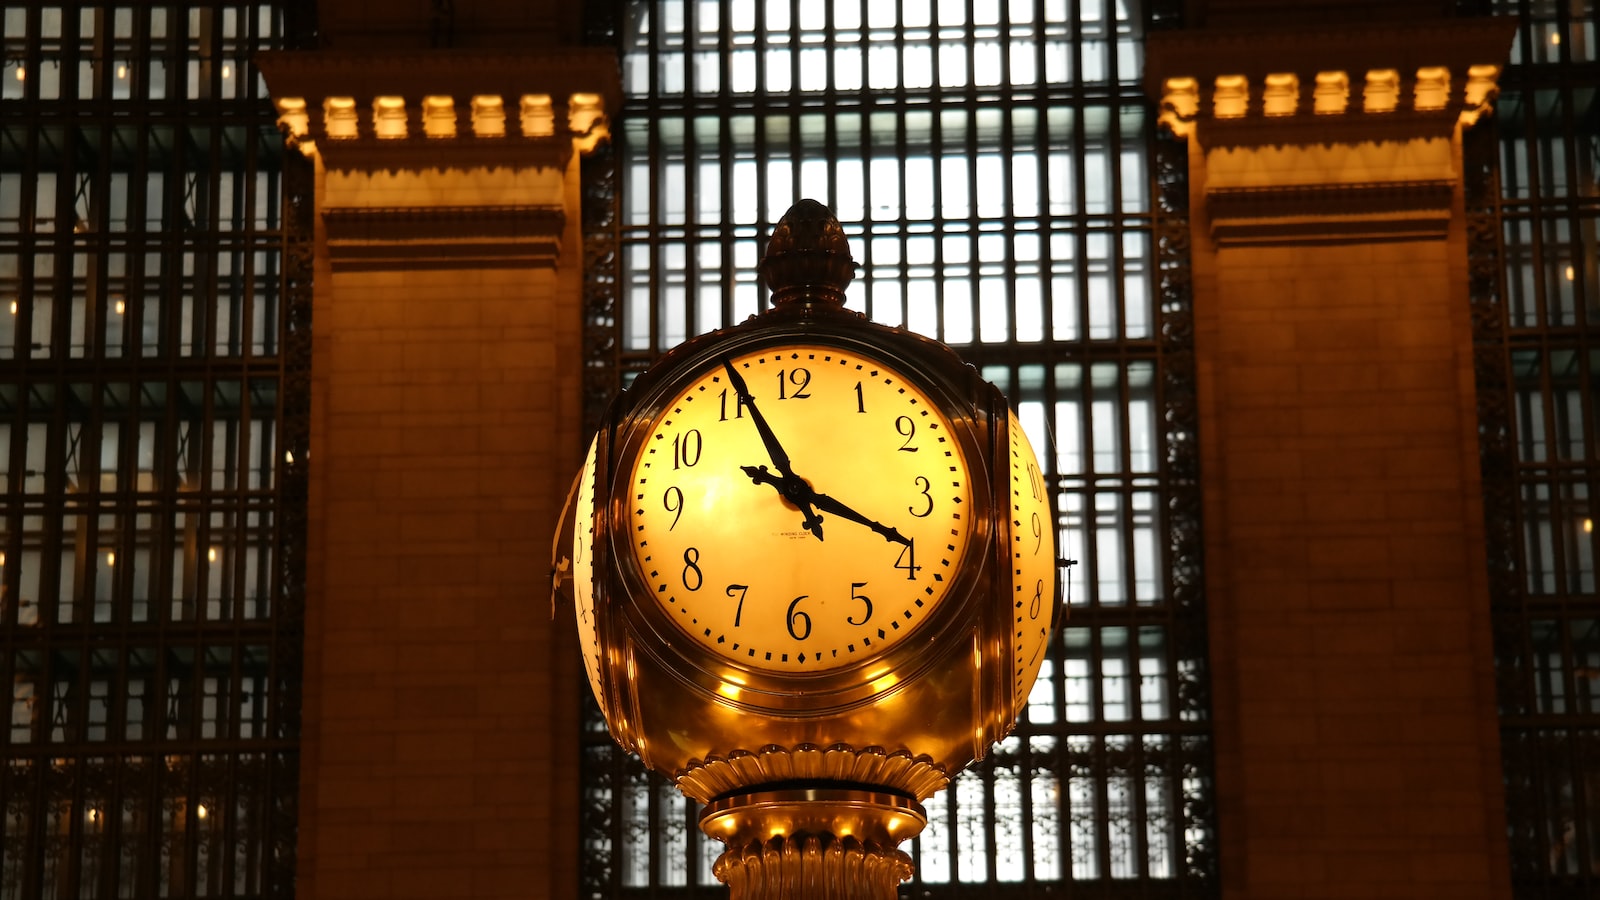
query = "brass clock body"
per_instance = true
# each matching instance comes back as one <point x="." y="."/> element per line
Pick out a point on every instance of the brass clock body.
<point x="810" y="552"/>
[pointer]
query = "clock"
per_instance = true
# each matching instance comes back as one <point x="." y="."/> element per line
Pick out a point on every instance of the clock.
<point x="1033" y="561"/>
<point x="583" y="559"/>
<point x="800" y="508"/>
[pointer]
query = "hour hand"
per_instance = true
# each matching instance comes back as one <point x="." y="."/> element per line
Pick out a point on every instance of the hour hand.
<point x="800" y="498"/>
<point x="828" y="504"/>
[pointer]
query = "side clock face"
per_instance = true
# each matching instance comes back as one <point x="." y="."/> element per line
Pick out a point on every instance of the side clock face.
<point x="799" y="509"/>
<point x="1033" y="558"/>
<point x="583" y="575"/>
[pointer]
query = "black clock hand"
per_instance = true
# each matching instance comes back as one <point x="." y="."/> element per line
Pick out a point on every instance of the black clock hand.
<point x="828" y="504"/>
<point x="793" y="489"/>
<point x="760" y="475"/>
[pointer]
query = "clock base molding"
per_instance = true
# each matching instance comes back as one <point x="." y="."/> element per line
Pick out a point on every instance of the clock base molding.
<point x="823" y="843"/>
<point x="742" y="770"/>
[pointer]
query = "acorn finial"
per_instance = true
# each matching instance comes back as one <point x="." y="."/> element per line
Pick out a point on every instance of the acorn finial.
<point x="808" y="258"/>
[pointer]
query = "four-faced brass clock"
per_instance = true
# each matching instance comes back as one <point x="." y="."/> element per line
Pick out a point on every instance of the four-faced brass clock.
<point x="800" y="508"/>
<point x="811" y="550"/>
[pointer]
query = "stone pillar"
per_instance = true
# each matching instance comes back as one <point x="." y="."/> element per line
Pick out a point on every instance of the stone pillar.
<point x="1356" y="733"/>
<point x="440" y="696"/>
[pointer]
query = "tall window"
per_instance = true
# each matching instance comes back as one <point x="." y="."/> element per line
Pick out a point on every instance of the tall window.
<point x="146" y="636"/>
<point x="991" y="164"/>
<point x="1539" y="376"/>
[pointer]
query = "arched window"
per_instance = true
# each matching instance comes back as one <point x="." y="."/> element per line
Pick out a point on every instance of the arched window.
<point x="992" y="164"/>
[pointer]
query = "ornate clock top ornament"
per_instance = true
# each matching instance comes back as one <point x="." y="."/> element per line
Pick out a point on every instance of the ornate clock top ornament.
<point x="808" y="258"/>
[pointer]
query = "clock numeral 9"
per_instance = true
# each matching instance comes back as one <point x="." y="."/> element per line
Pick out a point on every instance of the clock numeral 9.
<point x="906" y="429"/>
<point x="672" y="501"/>
<point x="798" y="616"/>
<point x="800" y="378"/>
<point x="1038" y="534"/>
<point x="686" y="449"/>
<point x="691" y="563"/>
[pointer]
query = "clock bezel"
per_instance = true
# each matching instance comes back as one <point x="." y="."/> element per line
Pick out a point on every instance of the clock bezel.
<point x="958" y="392"/>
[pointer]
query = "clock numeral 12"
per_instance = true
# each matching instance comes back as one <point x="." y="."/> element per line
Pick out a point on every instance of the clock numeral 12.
<point x="800" y="378"/>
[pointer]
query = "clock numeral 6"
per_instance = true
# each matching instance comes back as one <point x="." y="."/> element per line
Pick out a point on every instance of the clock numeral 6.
<point x="798" y="616"/>
<point x="686" y="449"/>
<point x="691" y="563"/>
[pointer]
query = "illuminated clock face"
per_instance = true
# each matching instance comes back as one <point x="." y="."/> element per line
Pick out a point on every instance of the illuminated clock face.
<point x="1033" y="557"/>
<point x="799" y="510"/>
<point x="583" y="574"/>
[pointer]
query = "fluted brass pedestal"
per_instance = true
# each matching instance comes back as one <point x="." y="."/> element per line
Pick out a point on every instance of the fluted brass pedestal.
<point x="813" y="843"/>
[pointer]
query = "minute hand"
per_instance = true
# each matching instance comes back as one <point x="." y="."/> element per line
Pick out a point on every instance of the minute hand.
<point x="790" y="487"/>
<point x="774" y="449"/>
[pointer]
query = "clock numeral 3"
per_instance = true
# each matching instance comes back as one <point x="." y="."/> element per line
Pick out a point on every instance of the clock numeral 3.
<point x="691" y="564"/>
<point x="686" y="449"/>
<point x="923" y="487"/>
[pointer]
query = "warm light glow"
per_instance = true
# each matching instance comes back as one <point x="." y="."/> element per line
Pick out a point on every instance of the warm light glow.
<point x="1555" y="38"/>
<point x="288" y="457"/>
<point x="22" y="73"/>
<point x="1180" y="103"/>
<point x="488" y="116"/>
<point x="227" y="71"/>
<point x="1281" y="96"/>
<point x="211" y="555"/>
<point x="121" y="307"/>
<point x="339" y="117"/>
<point x="122" y="70"/>
<point x="94" y="814"/>
<point x="1432" y="90"/>
<point x="1588" y="526"/>
<point x="1382" y="93"/>
<point x="1232" y="96"/>
<point x="200" y="811"/>
<point x="389" y="117"/>
<point x="1332" y="93"/>
<point x="1571" y="274"/>
<point x="2" y="559"/>
<point x="439" y="116"/>
<point x="13" y="307"/>
<point x="111" y="558"/>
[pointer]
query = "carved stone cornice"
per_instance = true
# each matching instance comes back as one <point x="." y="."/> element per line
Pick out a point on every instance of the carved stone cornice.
<point x="414" y="110"/>
<point x="915" y="776"/>
<point x="1327" y="84"/>
<point x="443" y="237"/>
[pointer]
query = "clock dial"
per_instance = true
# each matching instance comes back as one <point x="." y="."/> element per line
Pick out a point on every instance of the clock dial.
<point x="799" y="509"/>
<point x="583" y="574"/>
<point x="1033" y="557"/>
